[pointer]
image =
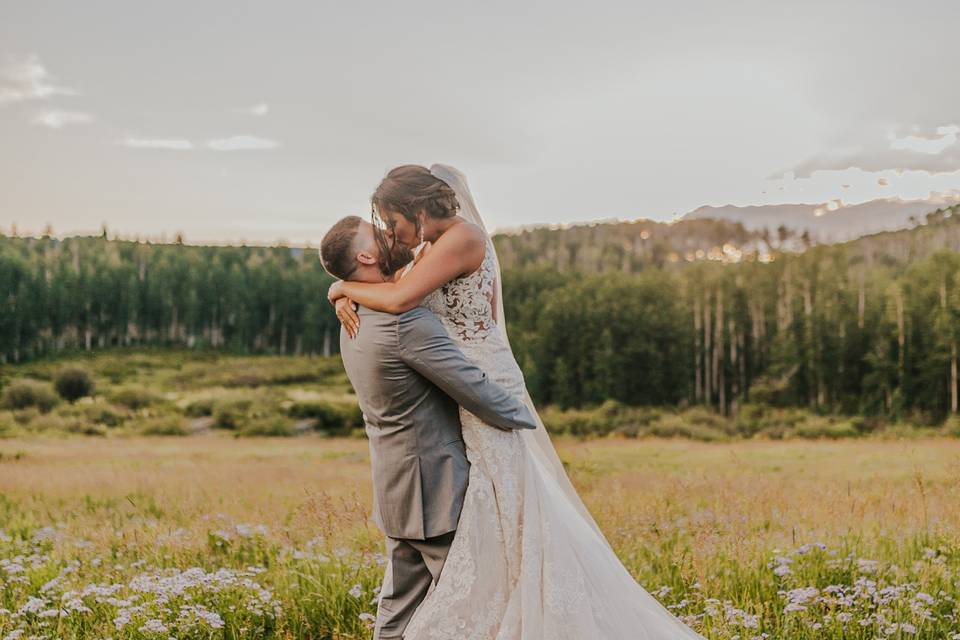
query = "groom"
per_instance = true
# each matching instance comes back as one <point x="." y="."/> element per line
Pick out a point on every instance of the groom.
<point x="409" y="377"/>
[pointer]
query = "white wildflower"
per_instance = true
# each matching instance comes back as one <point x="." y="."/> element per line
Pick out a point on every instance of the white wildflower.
<point x="154" y="626"/>
<point x="33" y="605"/>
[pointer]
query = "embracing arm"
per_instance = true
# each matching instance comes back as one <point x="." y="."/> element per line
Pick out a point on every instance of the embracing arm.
<point x="427" y="348"/>
<point x="458" y="251"/>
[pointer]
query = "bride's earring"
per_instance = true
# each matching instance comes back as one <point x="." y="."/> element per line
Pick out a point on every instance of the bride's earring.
<point x="420" y="231"/>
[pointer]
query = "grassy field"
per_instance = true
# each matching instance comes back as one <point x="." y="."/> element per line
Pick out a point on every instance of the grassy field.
<point x="179" y="392"/>
<point x="184" y="392"/>
<point x="216" y="537"/>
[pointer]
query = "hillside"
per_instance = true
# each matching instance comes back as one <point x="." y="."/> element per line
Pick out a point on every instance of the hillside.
<point x="642" y="244"/>
<point x="625" y="246"/>
<point x="938" y="231"/>
<point x="826" y="222"/>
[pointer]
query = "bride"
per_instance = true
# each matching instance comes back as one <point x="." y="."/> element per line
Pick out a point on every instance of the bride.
<point x="527" y="562"/>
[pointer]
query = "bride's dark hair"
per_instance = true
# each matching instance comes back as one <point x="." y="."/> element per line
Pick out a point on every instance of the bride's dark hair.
<point x="410" y="188"/>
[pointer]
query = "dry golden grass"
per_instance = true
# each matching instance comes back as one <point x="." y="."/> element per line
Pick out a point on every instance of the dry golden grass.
<point x="726" y="496"/>
<point x="740" y="497"/>
<point x="678" y="512"/>
<point x="295" y="487"/>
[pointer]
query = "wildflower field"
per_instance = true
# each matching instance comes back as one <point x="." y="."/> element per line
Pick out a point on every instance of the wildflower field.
<point x="214" y="536"/>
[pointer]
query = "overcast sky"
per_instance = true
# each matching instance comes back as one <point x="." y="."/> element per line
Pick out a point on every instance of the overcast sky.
<point x="235" y="121"/>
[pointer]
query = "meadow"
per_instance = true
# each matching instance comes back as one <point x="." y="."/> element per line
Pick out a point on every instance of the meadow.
<point x="199" y="495"/>
<point x="217" y="537"/>
<point x="121" y="392"/>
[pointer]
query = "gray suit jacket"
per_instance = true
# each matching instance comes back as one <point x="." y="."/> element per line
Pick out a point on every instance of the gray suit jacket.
<point x="410" y="378"/>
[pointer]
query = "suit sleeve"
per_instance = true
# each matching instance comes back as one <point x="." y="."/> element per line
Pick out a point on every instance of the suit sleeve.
<point x="427" y="348"/>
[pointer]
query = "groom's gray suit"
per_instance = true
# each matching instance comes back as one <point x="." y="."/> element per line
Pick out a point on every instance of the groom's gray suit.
<point x="410" y="378"/>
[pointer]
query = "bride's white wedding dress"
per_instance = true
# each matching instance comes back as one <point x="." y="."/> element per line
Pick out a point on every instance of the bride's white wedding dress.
<point x="526" y="562"/>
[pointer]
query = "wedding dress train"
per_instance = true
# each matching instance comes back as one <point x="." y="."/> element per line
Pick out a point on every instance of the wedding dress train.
<point x="526" y="562"/>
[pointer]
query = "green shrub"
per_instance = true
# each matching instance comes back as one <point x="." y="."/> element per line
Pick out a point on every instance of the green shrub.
<point x="8" y="425"/>
<point x="53" y="423"/>
<point x="576" y="422"/>
<point x="85" y="428"/>
<point x="330" y="416"/>
<point x="135" y="397"/>
<point x="867" y="424"/>
<point x="271" y="426"/>
<point x="609" y="417"/>
<point x="164" y="426"/>
<point x="824" y="427"/>
<point x="636" y="420"/>
<point x="951" y="426"/>
<point x="305" y="374"/>
<point x="117" y="370"/>
<point x="790" y="417"/>
<point x="73" y="383"/>
<point x="773" y="422"/>
<point x="705" y="417"/>
<point x="25" y="393"/>
<point x="247" y="379"/>
<point x="104" y="414"/>
<point x="200" y="408"/>
<point x="750" y="418"/>
<point x="774" y="432"/>
<point x="677" y="426"/>
<point x="25" y="416"/>
<point x="231" y="413"/>
<point x="94" y="413"/>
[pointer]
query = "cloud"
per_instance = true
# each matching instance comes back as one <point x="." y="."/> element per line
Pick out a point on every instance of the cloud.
<point x="855" y="185"/>
<point x="29" y="80"/>
<point x="947" y="137"/>
<point x="59" y="119"/>
<point x="178" y="144"/>
<point x="242" y="143"/>
<point x="874" y="150"/>
<point x="260" y="109"/>
<point x="235" y="143"/>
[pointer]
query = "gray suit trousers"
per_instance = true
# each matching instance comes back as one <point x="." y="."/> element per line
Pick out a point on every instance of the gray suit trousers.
<point x="412" y="566"/>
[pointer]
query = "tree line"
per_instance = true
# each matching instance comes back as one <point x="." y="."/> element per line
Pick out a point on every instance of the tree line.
<point x="91" y="292"/>
<point x="866" y="327"/>
<point x="642" y="313"/>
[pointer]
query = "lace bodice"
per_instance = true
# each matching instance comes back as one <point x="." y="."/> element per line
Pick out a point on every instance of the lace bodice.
<point x="465" y="304"/>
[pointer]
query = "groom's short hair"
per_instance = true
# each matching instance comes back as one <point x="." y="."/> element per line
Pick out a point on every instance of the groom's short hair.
<point x="337" y="254"/>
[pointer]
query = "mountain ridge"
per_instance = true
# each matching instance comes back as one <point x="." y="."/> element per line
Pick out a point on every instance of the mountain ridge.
<point x="829" y="221"/>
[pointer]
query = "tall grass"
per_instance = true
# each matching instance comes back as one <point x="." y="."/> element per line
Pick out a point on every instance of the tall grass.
<point x="211" y="536"/>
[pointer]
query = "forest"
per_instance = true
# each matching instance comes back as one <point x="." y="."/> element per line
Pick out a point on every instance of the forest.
<point x="698" y="312"/>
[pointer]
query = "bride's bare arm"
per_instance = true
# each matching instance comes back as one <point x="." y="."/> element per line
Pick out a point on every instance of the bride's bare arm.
<point x="346" y="309"/>
<point x="457" y="252"/>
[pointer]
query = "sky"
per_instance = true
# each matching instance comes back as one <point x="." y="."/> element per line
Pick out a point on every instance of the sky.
<point x="268" y="121"/>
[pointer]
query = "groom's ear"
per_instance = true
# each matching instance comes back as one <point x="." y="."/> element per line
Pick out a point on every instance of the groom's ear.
<point x="366" y="258"/>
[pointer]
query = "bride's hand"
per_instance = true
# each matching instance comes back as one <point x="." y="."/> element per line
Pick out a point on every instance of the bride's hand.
<point x="347" y="315"/>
